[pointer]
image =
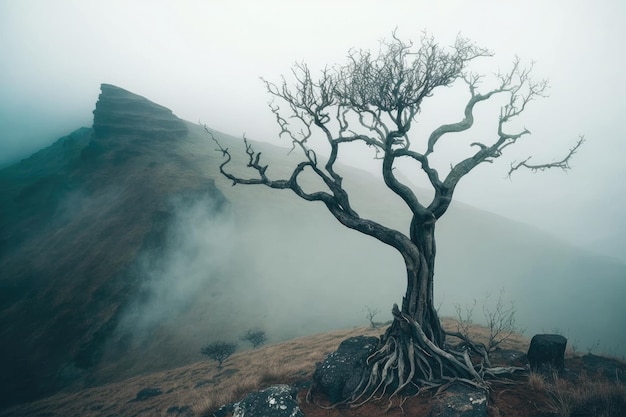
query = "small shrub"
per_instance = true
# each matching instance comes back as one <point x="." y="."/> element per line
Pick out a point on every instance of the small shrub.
<point x="219" y="351"/>
<point x="371" y="314"/>
<point x="255" y="336"/>
<point x="501" y="321"/>
<point x="464" y="319"/>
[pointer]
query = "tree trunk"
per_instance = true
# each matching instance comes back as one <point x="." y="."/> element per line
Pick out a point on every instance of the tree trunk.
<point x="413" y="352"/>
<point x="418" y="302"/>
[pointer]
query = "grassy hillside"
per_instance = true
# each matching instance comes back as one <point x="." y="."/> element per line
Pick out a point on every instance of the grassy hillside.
<point x="199" y="388"/>
<point x="124" y="252"/>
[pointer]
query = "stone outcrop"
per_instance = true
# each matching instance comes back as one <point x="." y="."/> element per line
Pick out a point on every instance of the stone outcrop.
<point x="341" y="371"/>
<point x="120" y="112"/>
<point x="275" y="401"/>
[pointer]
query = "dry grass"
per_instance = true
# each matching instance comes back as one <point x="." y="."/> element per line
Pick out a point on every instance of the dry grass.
<point x="281" y="363"/>
<point x="537" y="381"/>
<point x="582" y="396"/>
<point x="561" y="393"/>
<point x="232" y="390"/>
<point x="295" y="360"/>
<point x="201" y="388"/>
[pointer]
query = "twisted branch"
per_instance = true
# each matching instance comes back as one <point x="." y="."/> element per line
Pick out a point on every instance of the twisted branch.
<point x="563" y="164"/>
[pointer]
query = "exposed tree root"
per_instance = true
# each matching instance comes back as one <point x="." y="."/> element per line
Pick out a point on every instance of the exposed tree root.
<point x="477" y="348"/>
<point x="406" y="358"/>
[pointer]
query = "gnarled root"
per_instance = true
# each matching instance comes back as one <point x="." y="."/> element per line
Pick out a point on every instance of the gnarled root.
<point x="406" y="357"/>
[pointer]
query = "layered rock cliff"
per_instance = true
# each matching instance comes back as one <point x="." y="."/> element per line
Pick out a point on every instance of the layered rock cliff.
<point x="120" y="112"/>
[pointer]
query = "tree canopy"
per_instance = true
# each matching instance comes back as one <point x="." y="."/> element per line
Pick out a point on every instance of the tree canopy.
<point x="375" y="100"/>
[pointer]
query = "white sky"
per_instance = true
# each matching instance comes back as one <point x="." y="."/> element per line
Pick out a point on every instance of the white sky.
<point x="202" y="59"/>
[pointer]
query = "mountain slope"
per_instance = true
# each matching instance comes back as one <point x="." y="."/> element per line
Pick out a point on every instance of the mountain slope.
<point x="123" y="251"/>
<point x="75" y="216"/>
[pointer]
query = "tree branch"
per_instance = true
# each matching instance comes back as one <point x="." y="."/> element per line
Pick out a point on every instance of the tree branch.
<point x="468" y="119"/>
<point x="522" y="89"/>
<point x="254" y="159"/>
<point x="563" y="164"/>
<point x="374" y="99"/>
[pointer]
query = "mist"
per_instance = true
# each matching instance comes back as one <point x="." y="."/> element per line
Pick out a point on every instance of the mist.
<point x="273" y="262"/>
<point x="197" y="257"/>
<point x="203" y="60"/>
<point x="222" y="271"/>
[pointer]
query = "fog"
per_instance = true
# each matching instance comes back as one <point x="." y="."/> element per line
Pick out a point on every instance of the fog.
<point x="223" y="271"/>
<point x="269" y="260"/>
<point x="203" y="60"/>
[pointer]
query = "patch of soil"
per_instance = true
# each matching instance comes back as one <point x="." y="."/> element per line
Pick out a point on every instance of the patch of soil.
<point x="517" y="399"/>
<point x="506" y="399"/>
<point x="419" y="405"/>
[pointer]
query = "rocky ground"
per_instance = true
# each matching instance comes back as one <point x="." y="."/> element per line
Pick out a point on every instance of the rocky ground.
<point x="200" y="389"/>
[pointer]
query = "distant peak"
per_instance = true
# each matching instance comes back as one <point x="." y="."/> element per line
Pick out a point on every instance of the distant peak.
<point x="120" y="112"/>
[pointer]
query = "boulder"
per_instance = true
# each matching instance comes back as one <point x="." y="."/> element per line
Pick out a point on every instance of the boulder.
<point x="547" y="351"/>
<point x="275" y="401"/>
<point x="341" y="371"/>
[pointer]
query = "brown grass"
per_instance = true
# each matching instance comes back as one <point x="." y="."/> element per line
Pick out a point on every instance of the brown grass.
<point x="586" y="395"/>
<point x="201" y="388"/>
<point x="282" y="363"/>
<point x="537" y="381"/>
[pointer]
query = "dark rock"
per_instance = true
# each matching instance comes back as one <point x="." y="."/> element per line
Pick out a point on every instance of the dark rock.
<point x="460" y="401"/>
<point x="547" y="351"/>
<point x="146" y="393"/>
<point x="275" y="401"/>
<point x="120" y="112"/>
<point x="225" y="410"/>
<point x="341" y="371"/>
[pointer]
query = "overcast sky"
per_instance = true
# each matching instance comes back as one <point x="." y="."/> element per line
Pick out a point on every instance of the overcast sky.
<point x="203" y="60"/>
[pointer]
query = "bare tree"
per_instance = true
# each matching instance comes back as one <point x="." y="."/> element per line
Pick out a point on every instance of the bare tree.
<point x="374" y="99"/>
<point x="219" y="351"/>
<point x="371" y="314"/>
<point x="500" y="320"/>
<point x="464" y="319"/>
<point x="255" y="336"/>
